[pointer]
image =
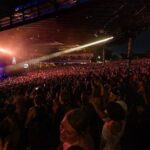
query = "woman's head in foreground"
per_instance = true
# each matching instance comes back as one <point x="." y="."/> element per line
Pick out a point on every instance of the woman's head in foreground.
<point x="74" y="125"/>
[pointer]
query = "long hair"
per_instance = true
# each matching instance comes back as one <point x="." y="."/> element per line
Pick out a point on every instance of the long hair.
<point x="79" y="120"/>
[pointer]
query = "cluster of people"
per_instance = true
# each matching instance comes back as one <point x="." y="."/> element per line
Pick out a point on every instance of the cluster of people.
<point x="77" y="107"/>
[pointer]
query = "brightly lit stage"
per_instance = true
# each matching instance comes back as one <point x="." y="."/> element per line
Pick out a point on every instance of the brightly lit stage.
<point x="5" y="61"/>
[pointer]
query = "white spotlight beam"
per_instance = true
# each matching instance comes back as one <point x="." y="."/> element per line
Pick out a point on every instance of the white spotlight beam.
<point x="79" y="48"/>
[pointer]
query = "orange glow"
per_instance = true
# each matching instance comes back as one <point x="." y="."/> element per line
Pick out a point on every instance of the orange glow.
<point x="2" y="50"/>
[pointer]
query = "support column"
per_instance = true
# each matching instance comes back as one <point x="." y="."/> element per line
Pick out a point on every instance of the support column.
<point x="103" y="55"/>
<point x="130" y="51"/>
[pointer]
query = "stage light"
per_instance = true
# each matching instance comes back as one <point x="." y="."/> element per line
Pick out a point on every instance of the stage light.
<point x="2" y="50"/>
<point x="78" y="48"/>
<point x="26" y="66"/>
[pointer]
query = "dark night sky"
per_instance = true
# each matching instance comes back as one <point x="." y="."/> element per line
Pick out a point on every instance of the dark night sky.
<point x="141" y="43"/>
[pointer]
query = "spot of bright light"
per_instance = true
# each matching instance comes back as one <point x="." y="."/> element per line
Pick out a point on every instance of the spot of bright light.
<point x="26" y="66"/>
<point x="99" y="57"/>
<point x="2" y="50"/>
<point x="78" y="48"/>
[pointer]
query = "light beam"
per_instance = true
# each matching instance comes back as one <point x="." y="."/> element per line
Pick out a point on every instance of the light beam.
<point x="79" y="48"/>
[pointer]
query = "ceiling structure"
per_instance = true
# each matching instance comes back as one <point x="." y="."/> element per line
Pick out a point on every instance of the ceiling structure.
<point x="44" y="24"/>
